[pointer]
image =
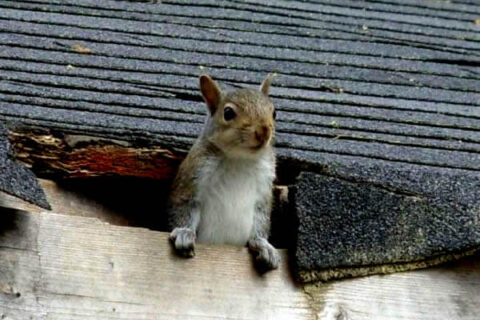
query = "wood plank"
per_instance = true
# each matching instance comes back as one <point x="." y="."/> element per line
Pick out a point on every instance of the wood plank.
<point x="64" y="267"/>
<point x="129" y="201"/>
<point x="68" y="268"/>
<point x="448" y="292"/>
<point x="382" y="96"/>
<point x="68" y="201"/>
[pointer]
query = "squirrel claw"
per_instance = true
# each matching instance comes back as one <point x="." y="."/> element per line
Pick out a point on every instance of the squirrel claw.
<point x="267" y="256"/>
<point x="183" y="240"/>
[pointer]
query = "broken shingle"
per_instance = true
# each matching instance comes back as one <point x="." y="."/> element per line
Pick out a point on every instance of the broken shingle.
<point x="349" y="228"/>
<point x="16" y="179"/>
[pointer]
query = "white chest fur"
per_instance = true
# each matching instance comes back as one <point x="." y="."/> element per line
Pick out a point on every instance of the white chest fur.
<point x="228" y="193"/>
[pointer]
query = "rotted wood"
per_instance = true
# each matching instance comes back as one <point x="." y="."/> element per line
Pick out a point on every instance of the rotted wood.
<point x="81" y="156"/>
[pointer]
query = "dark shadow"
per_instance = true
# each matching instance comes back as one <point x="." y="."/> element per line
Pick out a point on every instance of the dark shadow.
<point x="8" y="221"/>
<point x="18" y="230"/>
<point x="259" y="267"/>
<point x="142" y="202"/>
<point x="283" y="221"/>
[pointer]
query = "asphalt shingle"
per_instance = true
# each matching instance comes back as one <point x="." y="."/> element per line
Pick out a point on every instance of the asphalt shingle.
<point x="377" y="95"/>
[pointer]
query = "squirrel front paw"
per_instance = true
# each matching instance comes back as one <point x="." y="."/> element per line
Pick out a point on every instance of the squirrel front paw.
<point x="183" y="240"/>
<point x="266" y="255"/>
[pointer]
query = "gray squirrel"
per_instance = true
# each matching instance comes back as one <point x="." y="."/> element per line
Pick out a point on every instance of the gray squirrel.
<point x="222" y="193"/>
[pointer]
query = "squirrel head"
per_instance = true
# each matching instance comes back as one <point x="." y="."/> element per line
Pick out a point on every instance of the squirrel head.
<point x="241" y="123"/>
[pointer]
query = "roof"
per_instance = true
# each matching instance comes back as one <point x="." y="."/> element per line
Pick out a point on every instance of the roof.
<point x="16" y="179"/>
<point x="373" y="91"/>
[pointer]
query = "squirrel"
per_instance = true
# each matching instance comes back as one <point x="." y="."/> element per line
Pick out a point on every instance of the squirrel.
<point x="222" y="193"/>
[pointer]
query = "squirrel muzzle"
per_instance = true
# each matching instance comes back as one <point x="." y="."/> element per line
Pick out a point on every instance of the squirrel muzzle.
<point x="262" y="136"/>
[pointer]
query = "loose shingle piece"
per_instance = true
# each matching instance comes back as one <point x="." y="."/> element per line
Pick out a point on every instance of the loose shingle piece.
<point x="16" y="179"/>
<point x="357" y="227"/>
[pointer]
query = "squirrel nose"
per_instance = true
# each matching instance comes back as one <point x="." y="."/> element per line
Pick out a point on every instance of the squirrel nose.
<point x="262" y="134"/>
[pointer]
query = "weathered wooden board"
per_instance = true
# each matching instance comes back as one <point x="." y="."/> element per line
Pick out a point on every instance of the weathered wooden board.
<point x="131" y="202"/>
<point x="68" y="201"/>
<point x="449" y="292"/>
<point x="65" y="267"/>
<point x="379" y="92"/>
<point x="69" y="267"/>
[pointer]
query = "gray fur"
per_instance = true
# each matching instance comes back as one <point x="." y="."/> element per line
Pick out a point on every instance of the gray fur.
<point x="223" y="190"/>
<point x="266" y="255"/>
<point x="183" y="240"/>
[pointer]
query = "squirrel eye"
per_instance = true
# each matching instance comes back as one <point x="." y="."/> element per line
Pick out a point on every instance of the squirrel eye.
<point x="274" y="114"/>
<point x="229" y="114"/>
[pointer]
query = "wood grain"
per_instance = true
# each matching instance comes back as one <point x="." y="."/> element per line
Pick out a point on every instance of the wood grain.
<point x="136" y="203"/>
<point x="80" y="268"/>
<point x="448" y="292"/>
<point x="73" y="267"/>
<point x="66" y="201"/>
<point x="86" y="157"/>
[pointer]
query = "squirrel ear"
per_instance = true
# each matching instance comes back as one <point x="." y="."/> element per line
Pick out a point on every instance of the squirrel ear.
<point x="265" y="86"/>
<point x="211" y="92"/>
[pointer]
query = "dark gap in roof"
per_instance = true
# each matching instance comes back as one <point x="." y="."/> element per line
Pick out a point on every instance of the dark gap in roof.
<point x="131" y="181"/>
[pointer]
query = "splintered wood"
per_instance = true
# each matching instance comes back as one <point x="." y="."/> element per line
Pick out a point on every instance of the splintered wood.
<point x="81" y="156"/>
